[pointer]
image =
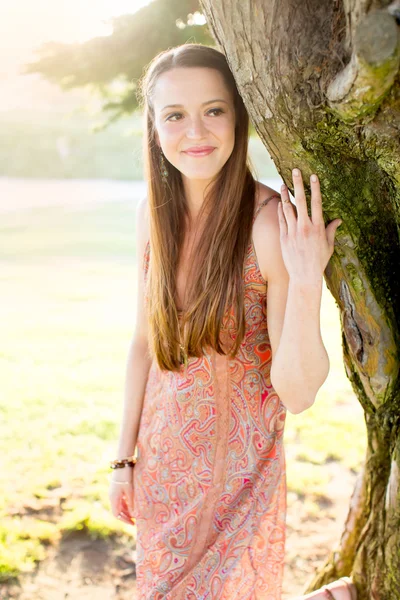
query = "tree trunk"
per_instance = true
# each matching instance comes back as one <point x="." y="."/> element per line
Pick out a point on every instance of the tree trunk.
<point x="321" y="82"/>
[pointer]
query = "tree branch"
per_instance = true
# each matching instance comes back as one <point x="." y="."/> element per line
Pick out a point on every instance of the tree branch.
<point x="360" y="87"/>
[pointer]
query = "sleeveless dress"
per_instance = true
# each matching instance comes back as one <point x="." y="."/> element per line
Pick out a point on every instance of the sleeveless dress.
<point x="210" y="476"/>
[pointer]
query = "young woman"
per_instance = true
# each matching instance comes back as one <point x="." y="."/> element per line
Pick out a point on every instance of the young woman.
<point x="227" y="339"/>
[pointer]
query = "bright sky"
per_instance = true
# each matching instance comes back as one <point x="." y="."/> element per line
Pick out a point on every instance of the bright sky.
<point x="25" y="24"/>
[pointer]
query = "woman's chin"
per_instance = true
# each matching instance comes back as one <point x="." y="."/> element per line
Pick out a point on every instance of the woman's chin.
<point x="200" y="174"/>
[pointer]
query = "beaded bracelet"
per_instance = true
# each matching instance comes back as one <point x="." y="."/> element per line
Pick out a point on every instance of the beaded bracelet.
<point x="119" y="463"/>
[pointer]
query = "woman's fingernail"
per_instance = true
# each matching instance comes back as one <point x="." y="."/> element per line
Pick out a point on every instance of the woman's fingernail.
<point x="283" y="187"/>
<point x="296" y="172"/>
<point x="313" y="178"/>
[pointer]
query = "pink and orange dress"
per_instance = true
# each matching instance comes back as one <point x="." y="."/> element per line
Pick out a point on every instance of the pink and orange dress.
<point x="210" y="477"/>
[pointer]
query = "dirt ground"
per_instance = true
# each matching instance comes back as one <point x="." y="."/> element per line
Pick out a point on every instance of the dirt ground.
<point x="83" y="569"/>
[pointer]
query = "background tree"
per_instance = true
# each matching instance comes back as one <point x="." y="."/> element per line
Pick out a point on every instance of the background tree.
<point x="121" y="56"/>
<point x="321" y="82"/>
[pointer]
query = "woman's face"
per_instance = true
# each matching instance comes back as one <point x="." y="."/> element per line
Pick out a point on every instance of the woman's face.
<point x="204" y="117"/>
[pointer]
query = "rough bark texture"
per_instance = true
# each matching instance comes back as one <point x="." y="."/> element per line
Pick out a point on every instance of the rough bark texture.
<point x="321" y="82"/>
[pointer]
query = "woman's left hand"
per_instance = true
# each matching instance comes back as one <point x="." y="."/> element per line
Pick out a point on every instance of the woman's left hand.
<point x="305" y="242"/>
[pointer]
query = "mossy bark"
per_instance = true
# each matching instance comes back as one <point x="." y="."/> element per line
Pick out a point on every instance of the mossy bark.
<point x="321" y="82"/>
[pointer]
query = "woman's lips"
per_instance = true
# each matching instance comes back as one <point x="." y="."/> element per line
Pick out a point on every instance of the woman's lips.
<point x="200" y="152"/>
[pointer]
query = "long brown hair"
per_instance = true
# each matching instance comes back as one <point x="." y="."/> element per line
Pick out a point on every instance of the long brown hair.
<point x="215" y="284"/>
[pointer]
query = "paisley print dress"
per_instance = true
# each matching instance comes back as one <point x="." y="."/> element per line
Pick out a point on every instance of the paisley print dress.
<point x="210" y="477"/>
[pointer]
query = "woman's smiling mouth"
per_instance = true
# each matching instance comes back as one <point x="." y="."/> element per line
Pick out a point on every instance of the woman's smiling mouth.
<point x="199" y="150"/>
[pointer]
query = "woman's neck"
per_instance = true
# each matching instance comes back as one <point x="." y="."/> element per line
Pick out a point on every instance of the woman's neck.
<point x="194" y="190"/>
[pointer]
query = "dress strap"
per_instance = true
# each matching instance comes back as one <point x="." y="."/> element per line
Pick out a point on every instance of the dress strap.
<point x="263" y="203"/>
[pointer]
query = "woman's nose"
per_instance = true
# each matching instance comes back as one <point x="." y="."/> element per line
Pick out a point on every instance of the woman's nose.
<point x="196" y="128"/>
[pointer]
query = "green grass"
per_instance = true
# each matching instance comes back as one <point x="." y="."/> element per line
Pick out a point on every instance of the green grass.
<point x="88" y="517"/>
<point x="23" y="543"/>
<point x="68" y="310"/>
<point x="41" y="233"/>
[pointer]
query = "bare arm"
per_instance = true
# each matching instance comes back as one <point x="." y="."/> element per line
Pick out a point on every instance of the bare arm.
<point x="138" y="361"/>
<point x="300" y="363"/>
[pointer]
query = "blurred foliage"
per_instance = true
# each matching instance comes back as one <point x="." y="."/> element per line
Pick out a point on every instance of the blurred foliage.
<point x="113" y="64"/>
<point x="52" y="145"/>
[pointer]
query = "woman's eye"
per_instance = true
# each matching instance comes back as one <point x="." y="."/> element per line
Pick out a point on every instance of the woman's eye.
<point x="218" y="110"/>
<point x="173" y="115"/>
<point x="212" y="110"/>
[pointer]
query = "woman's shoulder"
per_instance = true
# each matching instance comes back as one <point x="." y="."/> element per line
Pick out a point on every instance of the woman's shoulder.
<point x="265" y="193"/>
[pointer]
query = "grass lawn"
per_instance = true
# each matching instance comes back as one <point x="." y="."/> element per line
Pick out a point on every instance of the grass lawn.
<point x="68" y="307"/>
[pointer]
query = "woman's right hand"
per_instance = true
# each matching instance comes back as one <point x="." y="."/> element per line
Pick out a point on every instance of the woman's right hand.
<point x="121" y="494"/>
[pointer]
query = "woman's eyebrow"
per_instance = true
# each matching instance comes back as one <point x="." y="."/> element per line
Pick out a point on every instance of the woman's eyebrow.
<point x="204" y="103"/>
